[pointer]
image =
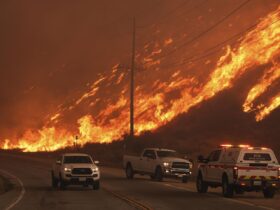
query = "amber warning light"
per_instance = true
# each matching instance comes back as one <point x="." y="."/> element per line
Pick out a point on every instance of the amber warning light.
<point x="240" y="145"/>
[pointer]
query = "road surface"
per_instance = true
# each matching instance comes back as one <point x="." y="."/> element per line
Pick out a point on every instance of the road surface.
<point x="32" y="190"/>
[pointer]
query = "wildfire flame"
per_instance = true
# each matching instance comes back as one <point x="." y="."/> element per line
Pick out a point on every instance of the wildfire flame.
<point x="155" y="108"/>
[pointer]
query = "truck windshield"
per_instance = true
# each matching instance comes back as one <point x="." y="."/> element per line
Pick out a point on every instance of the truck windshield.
<point x="77" y="159"/>
<point x="257" y="156"/>
<point x="162" y="154"/>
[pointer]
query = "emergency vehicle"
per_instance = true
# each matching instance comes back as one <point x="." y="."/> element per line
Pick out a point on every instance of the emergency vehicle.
<point x="238" y="169"/>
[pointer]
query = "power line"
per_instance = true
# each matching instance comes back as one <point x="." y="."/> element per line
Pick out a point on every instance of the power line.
<point x="205" y="31"/>
<point x="214" y="49"/>
<point x="147" y="35"/>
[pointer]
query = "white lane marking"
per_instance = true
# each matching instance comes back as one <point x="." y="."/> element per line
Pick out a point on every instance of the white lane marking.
<point x="22" y="191"/>
<point x="227" y="199"/>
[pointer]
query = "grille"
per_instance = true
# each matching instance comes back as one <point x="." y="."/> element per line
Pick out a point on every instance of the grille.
<point x="83" y="171"/>
<point x="181" y="165"/>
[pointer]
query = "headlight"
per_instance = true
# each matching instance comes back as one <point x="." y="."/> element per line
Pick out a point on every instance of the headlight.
<point x="191" y="165"/>
<point x="165" y="164"/>
<point x="67" y="169"/>
<point x="95" y="169"/>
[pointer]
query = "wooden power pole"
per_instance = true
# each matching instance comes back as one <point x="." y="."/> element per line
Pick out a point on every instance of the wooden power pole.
<point x="132" y="69"/>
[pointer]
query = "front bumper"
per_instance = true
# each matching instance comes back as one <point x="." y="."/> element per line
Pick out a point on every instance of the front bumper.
<point x="80" y="179"/>
<point x="177" y="173"/>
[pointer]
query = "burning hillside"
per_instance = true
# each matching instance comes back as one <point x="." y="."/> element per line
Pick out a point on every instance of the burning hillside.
<point x="161" y="95"/>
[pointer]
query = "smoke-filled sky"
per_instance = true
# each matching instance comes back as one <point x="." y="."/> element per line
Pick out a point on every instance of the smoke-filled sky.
<point x="53" y="51"/>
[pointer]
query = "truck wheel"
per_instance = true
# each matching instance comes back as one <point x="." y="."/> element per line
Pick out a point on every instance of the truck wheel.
<point x="201" y="186"/>
<point x="158" y="174"/>
<point x="96" y="185"/>
<point x="268" y="192"/>
<point x="54" y="181"/>
<point x="129" y="172"/>
<point x="227" y="188"/>
<point x="62" y="184"/>
<point x="184" y="179"/>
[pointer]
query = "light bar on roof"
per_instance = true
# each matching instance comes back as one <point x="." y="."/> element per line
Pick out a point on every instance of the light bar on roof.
<point x="226" y="145"/>
<point x="243" y="145"/>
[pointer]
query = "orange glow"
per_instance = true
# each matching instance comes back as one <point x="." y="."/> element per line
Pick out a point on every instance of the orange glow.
<point x="269" y="77"/>
<point x="266" y="110"/>
<point x="154" y="107"/>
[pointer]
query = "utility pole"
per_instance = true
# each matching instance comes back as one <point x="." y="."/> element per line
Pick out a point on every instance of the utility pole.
<point x="132" y="82"/>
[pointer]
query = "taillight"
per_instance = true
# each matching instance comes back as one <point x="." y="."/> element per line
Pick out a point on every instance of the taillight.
<point x="235" y="172"/>
<point x="278" y="173"/>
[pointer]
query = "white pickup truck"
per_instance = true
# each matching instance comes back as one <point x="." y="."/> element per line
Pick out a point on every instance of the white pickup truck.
<point x="75" y="169"/>
<point x="238" y="169"/>
<point x="157" y="163"/>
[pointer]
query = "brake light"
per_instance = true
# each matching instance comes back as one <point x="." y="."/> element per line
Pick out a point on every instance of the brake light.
<point x="278" y="173"/>
<point x="235" y="172"/>
<point x="264" y="148"/>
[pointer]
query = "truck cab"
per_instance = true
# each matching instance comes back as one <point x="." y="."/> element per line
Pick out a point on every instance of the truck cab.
<point x="238" y="169"/>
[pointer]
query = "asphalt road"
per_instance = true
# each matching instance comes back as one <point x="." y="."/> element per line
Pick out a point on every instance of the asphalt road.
<point x="33" y="191"/>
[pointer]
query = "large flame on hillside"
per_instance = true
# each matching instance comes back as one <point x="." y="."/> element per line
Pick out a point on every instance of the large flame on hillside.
<point x="155" y="107"/>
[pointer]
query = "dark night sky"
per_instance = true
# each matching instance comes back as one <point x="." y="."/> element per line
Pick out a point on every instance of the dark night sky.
<point x="51" y="49"/>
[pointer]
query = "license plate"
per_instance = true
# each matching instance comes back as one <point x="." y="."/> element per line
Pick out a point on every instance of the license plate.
<point x="82" y="179"/>
<point x="257" y="183"/>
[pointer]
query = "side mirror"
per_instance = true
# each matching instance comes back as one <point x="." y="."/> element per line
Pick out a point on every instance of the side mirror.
<point x="58" y="162"/>
<point x="96" y="162"/>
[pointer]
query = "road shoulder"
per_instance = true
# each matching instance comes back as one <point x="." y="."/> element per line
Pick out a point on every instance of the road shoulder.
<point x="14" y="193"/>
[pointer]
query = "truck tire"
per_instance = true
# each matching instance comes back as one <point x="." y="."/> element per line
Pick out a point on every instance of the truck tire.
<point x="158" y="174"/>
<point x="54" y="180"/>
<point x="268" y="192"/>
<point x="201" y="186"/>
<point x="227" y="188"/>
<point x="129" y="171"/>
<point x="96" y="185"/>
<point x="62" y="184"/>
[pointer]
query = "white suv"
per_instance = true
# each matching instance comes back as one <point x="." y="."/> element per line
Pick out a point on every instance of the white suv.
<point x="238" y="169"/>
<point x="75" y="169"/>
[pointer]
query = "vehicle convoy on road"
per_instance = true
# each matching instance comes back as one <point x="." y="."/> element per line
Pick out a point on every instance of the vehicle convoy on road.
<point x="157" y="163"/>
<point x="238" y="169"/>
<point x="75" y="169"/>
